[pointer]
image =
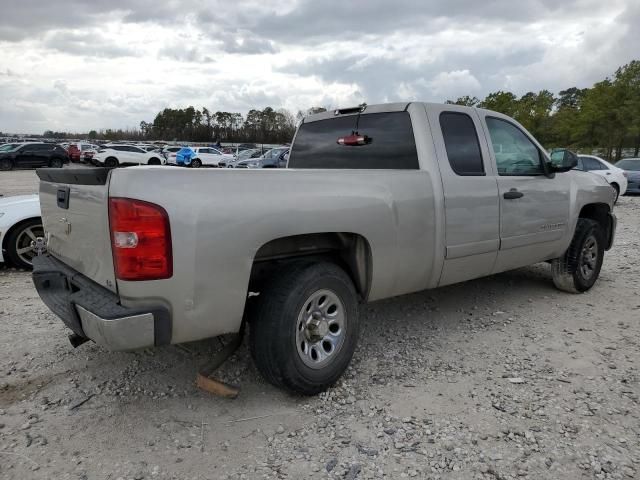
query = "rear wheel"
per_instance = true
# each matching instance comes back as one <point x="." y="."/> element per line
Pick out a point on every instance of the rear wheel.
<point x="20" y="249"/>
<point x="304" y="329"/>
<point x="578" y="269"/>
<point x="6" y="164"/>
<point x="111" y="162"/>
<point x="196" y="163"/>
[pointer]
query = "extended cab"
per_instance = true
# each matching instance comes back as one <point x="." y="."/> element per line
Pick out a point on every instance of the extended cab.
<point x="376" y="202"/>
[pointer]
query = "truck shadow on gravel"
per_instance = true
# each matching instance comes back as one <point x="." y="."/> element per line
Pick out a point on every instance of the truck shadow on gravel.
<point x="169" y="372"/>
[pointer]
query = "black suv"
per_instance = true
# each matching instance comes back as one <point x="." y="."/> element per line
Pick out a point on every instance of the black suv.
<point x="25" y="155"/>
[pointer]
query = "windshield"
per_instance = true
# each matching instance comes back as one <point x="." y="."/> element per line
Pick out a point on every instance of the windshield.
<point x="632" y="164"/>
<point x="7" y="147"/>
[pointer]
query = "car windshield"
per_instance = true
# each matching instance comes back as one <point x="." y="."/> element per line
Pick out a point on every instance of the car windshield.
<point x="7" y="147"/>
<point x="632" y="164"/>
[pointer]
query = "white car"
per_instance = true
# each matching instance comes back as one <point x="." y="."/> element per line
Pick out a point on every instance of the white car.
<point x="612" y="174"/>
<point x="209" y="156"/>
<point x="20" y="225"/>
<point x="112" y="156"/>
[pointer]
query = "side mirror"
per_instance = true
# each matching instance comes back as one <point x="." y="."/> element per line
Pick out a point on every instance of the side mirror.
<point x="562" y="160"/>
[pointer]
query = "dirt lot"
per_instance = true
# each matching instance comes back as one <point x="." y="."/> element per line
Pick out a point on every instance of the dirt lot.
<point x="503" y="377"/>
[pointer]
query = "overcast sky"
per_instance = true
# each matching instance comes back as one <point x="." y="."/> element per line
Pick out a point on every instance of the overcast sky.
<point x="78" y="65"/>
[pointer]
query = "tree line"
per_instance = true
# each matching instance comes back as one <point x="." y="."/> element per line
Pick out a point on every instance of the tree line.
<point x="605" y="117"/>
<point x="203" y="125"/>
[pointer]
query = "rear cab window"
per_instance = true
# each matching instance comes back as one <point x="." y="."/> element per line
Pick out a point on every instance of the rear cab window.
<point x="390" y="143"/>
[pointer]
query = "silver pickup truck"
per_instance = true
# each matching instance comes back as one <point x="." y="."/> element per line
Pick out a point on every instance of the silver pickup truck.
<point x="376" y="201"/>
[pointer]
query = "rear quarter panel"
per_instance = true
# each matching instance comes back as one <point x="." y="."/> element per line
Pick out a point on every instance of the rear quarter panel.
<point x="220" y="218"/>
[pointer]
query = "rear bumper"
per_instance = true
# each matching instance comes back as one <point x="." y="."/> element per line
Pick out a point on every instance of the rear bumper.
<point x="94" y="312"/>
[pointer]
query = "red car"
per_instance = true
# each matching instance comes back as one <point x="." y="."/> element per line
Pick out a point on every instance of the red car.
<point x="74" y="152"/>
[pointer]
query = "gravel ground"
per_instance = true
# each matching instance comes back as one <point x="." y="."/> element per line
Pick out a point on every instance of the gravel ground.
<point x="498" y="378"/>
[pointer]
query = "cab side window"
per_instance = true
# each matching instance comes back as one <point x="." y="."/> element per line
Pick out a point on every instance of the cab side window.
<point x="515" y="153"/>
<point x="461" y="143"/>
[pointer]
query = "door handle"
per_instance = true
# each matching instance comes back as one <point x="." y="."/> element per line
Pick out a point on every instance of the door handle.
<point x="513" y="194"/>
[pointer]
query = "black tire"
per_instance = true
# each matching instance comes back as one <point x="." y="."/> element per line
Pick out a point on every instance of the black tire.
<point x="196" y="163"/>
<point x="577" y="271"/>
<point x="154" y="161"/>
<point x="111" y="162"/>
<point x="6" y="164"/>
<point x="56" y="163"/>
<point x="275" y="326"/>
<point x="616" y="187"/>
<point x="18" y="238"/>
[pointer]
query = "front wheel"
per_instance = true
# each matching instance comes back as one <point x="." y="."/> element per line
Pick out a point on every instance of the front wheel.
<point x="56" y="163"/>
<point x="304" y="329"/>
<point x="578" y="269"/>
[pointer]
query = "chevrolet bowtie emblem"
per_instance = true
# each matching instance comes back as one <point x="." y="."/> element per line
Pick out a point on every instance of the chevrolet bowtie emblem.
<point x="67" y="225"/>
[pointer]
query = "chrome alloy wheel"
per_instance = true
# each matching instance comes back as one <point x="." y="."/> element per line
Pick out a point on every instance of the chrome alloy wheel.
<point x="320" y="329"/>
<point x="589" y="257"/>
<point x="26" y="243"/>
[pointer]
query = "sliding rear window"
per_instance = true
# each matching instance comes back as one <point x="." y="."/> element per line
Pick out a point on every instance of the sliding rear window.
<point x="391" y="144"/>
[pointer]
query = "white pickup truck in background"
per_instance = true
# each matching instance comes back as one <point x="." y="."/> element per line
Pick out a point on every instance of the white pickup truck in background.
<point x="375" y="202"/>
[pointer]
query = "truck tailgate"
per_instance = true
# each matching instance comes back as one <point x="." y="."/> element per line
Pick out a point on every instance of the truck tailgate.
<point x="75" y="215"/>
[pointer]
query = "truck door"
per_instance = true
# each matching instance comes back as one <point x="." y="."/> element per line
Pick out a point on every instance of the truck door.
<point x="534" y="208"/>
<point x="470" y="193"/>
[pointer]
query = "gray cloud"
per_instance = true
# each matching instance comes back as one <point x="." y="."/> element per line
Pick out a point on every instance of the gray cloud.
<point x="86" y="43"/>
<point x="247" y="44"/>
<point x="150" y="54"/>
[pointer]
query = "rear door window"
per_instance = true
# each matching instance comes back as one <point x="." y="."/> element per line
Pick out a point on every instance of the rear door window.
<point x="591" y="164"/>
<point x="391" y="143"/>
<point x="461" y="142"/>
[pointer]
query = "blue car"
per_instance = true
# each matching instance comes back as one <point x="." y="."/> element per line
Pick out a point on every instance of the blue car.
<point x="631" y="167"/>
<point x="184" y="156"/>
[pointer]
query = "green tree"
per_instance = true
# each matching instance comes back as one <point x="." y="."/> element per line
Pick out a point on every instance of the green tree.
<point x="465" y="101"/>
<point x="503" y="102"/>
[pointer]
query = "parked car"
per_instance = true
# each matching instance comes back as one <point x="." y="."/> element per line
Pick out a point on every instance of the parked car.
<point x="240" y="157"/>
<point x="169" y="153"/>
<point x="209" y="156"/>
<point x="33" y="154"/>
<point x="614" y="175"/>
<point x="112" y="156"/>
<point x="631" y="168"/>
<point x="378" y="201"/>
<point x="274" y="158"/>
<point x="77" y="151"/>
<point x="20" y="225"/>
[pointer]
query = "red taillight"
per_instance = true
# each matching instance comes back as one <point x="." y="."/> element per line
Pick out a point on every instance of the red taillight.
<point x="140" y="240"/>
<point x="353" y="140"/>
